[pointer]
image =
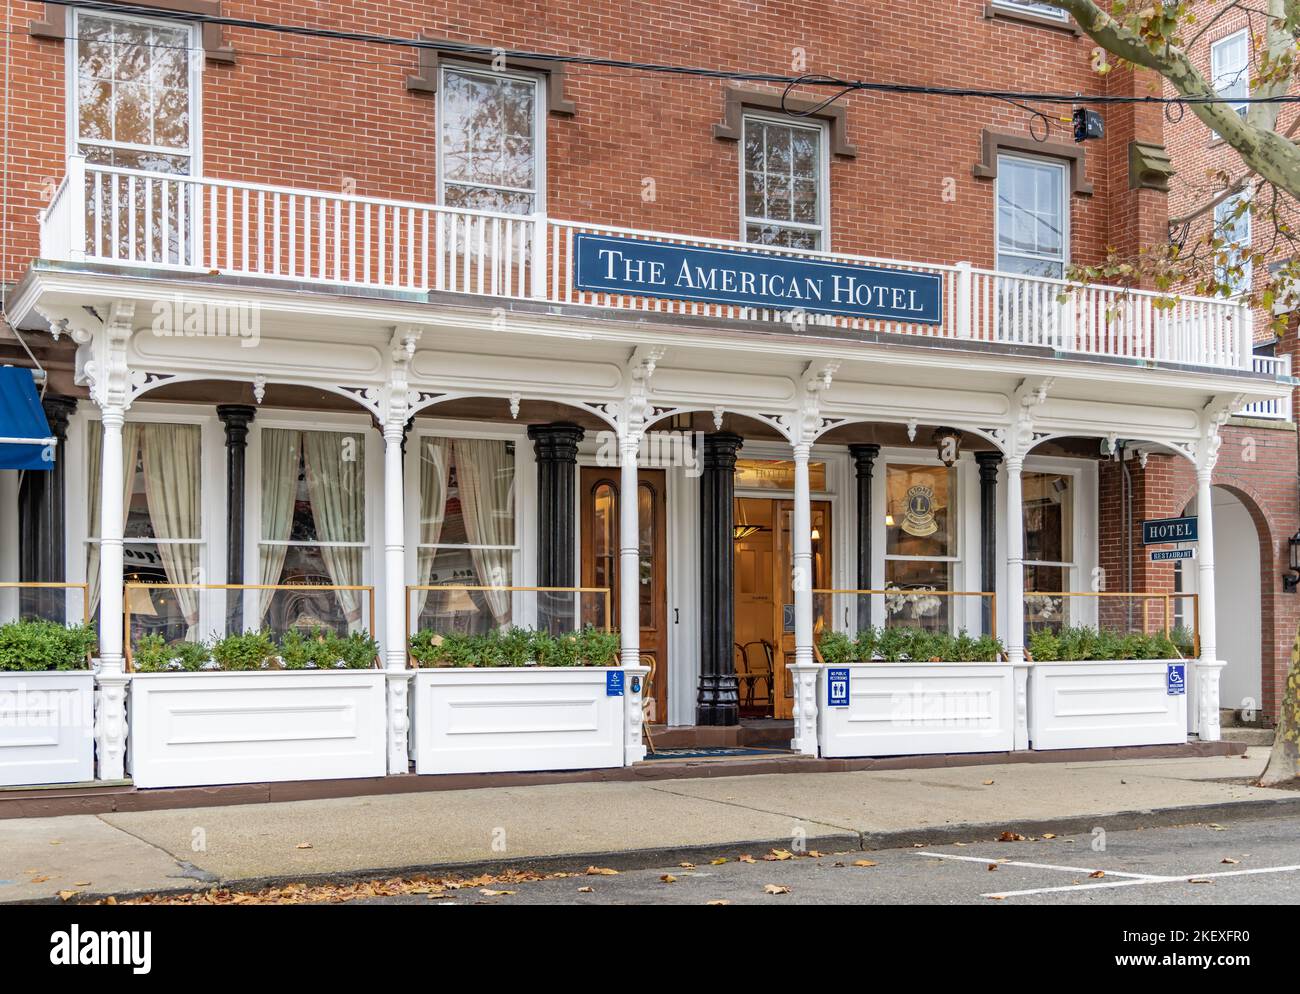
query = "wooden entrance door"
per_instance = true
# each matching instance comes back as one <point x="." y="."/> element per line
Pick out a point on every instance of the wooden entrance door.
<point x="600" y="567"/>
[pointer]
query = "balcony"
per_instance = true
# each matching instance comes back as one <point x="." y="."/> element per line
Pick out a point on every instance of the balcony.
<point x="188" y="224"/>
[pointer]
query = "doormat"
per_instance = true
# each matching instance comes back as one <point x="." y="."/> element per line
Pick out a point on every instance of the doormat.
<point x="720" y="752"/>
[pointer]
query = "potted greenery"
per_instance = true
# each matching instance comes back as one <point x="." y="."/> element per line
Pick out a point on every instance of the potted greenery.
<point x="516" y="699"/>
<point x="1096" y="687"/>
<point x="250" y="708"/>
<point x="46" y="684"/>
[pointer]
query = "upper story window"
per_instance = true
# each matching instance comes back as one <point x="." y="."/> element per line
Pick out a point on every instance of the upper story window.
<point x="1234" y="229"/>
<point x="1032" y="216"/>
<point x="1033" y="7"/>
<point x="490" y="141"/>
<point x="136" y="92"/>
<point x="783" y="184"/>
<point x="1230" y="67"/>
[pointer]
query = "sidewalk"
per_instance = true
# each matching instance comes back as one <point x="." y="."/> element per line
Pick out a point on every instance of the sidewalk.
<point x="622" y="824"/>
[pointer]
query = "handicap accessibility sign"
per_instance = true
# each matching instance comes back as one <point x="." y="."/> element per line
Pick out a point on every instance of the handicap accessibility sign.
<point x="837" y="688"/>
<point x="1176" y="679"/>
<point x="613" y="683"/>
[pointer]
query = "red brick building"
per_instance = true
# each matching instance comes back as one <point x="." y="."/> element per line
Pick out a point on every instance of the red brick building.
<point x="237" y="249"/>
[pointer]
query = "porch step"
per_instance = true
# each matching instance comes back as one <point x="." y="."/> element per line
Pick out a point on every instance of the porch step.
<point x="763" y="733"/>
<point x="1250" y="736"/>
<point x="1232" y="718"/>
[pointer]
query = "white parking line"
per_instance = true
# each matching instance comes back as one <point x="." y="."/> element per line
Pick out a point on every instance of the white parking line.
<point x="1037" y="866"/>
<point x="1130" y="879"/>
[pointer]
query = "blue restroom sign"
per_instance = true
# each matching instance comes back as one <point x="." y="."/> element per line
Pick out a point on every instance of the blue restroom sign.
<point x="837" y="688"/>
<point x="636" y="268"/>
<point x="613" y="683"/>
<point x="1163" y="531"/>
<point x="1176" y="679"/>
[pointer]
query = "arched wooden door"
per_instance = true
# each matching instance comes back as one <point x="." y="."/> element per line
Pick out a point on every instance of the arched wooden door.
<point x="600" y="568"/>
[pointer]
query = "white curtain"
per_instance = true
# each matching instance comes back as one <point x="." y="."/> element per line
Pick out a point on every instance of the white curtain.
<point x="485" y="475"/>
<point x="172" y="487"/>
<point x="95" y="477"/>
<point x="435" y="469"/>
<point x="336" y="481"/>
<point x="280" y="458"/>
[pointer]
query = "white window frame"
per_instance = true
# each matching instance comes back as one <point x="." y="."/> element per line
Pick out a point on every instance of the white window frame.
<point x="539" y="130"/>
<point x="1221" y="210"/>
<point x="823" y="225"/>
<point x="1035" y="8"/>
<point x="523" y="608"/>
<point x="1239" y="76"/>
<point x="212" y="516"/>
<point x="195" y="61"/>
<point x="1035" y="160"/>
<point x="960" y="609"/>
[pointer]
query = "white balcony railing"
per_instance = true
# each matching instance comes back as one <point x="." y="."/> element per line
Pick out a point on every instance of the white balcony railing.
<point x="1278" y="409"/>
<point x="193" y="224"/>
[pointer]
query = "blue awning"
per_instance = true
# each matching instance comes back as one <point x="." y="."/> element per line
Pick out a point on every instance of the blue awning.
<point x="25" y="440"/>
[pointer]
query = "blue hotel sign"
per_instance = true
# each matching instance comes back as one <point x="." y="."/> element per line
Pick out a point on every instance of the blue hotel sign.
<point x="1163" y="531"/>
<point x="636" y="268"/>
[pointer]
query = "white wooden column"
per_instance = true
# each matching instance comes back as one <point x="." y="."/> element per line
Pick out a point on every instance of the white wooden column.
<point x="395" y="600"/>
<point x="1209" y="667"/>
<point x="110" y="724"/>
<point x="804" y="671"/>
<point x="1015" y="600"/>
<point x="629" y="596"/>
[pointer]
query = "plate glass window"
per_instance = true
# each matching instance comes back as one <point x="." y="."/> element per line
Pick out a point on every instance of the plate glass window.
<point x="134" y="93"/>
<point x="1232" y="224"/>
<point x="1032" y="219"/>
<point x="1230" y="68"/>
<point x="1048" y="507"/>
<point x="783" y="189"/>
<point x="1033" y="7"/>
<point x="489" y="141"/>
<point x="920" y="544"/>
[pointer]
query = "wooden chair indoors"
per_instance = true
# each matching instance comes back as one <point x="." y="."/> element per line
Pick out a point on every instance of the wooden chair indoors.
<point x="647" y="699"/>
<point x="754" y="672"/>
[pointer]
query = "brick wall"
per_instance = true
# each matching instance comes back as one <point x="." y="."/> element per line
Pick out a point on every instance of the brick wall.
<point x="313" y="113"/>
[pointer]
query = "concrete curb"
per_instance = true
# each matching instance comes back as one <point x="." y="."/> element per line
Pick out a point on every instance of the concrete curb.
<point x="654" y="858"/>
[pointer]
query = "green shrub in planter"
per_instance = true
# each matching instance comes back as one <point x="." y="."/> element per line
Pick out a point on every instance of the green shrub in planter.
<point x="516" y="647"/>
<point x="837" y="648"/>
<point x="296" y="651"/>
<point x="357" y="651"/>
<point x="598" y="648"/>
<point x="1044" y="646"/>
<point x="427" y="648"/>
<point x="244" y="651"/>
<point x="36" y="646"/>
<point x="152" y="654"/>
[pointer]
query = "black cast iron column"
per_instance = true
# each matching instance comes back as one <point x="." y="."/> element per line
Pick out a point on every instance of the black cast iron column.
<point x="988" y="463"/>
<point x="236" y="418"/>
<point x="556" y="446"/>
<point x="864" y="465"/>
<point x="717" y="702"/>
<point x="41" y="516"/>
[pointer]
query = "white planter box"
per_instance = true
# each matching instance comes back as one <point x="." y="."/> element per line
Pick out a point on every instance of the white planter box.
<point x="486" y="720"/>
<point x="187" y="729"/>
<point x="904" y="709"/>
<point x="1088" y="704"/>
<point x="47" y="727"/>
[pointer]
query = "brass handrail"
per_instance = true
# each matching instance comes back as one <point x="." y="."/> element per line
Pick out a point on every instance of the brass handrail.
<point x="126" y="601"/>
<point x="895" y="591"/>
<point x="473" y="587"/>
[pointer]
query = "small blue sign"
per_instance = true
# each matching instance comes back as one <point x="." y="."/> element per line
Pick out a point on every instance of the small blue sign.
<point x="1163" y="531"/>
<point x="1172" y="555"/>
<point x="637" y="268"/>
<point x="837" y="688"/>
<point x="1176" y="679"/>
<point x="613" y="683"/>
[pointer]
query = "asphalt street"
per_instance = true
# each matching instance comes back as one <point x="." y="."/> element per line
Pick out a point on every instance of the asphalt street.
<point x="1241" y="862"/>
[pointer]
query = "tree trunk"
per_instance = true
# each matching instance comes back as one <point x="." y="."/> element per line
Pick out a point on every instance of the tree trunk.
<point x="1284" y="762"/>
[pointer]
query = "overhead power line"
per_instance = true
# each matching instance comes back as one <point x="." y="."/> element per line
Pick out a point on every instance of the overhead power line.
<point x="790" y="81"/>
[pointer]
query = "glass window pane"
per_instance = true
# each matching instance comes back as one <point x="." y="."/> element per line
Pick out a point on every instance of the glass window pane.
<point x="915" y="609"/>
<point x="919" y="519"/>
<point x="1048" y="500"/>
<point x="782" y="183"/>
<point x="487" y="133"/>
